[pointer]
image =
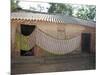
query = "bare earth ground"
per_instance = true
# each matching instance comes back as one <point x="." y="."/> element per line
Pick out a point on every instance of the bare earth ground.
<point x="53" y="64"/>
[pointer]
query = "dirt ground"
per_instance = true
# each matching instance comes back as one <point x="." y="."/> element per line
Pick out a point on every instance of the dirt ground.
<point x="54" y="64"/>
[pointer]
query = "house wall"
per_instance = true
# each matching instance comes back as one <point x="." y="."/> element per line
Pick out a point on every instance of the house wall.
<point x="51" y="29"/>
<point x="14" y="50"/>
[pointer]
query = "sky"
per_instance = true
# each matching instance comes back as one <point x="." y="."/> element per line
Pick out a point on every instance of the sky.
<point x="27" y="4"/>
<point x="89" y="2"/>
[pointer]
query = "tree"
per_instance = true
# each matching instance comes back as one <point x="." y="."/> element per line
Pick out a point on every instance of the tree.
<point x="87" y="12"/>
<point x="60" y="8"/>
<point x="52" y="8"/>
<point x="92" y="12"/>
<point x="14" y="5"/>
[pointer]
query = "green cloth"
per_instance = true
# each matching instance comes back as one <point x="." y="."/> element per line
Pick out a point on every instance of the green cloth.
<point x="22" y="42"/>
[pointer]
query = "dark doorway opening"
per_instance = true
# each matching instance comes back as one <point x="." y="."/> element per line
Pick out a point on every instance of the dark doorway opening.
<point x="86" y="42"/>
<point x="26" y="30"/>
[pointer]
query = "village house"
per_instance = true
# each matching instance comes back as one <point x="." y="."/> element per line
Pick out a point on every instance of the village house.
<point x="42" y="34"/>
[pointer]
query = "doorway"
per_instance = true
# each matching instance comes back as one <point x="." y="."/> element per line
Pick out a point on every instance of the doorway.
<point x="86" y="42"/>
<point x="26" y="31"/>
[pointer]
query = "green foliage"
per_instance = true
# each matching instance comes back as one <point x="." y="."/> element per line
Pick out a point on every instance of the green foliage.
<point x="52" y="8"/>
<point x="60" y="8"/>
<point x="86" y="12"/>
<point x="92" y="12"/>
<point x="13" y="5"/>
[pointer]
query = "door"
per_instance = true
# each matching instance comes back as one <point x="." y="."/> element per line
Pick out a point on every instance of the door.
<point x="26" y="31"/>
<point x="86" y="42"/>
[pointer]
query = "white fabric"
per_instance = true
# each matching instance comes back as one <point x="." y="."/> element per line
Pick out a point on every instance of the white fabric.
<point x="56" y="46"/>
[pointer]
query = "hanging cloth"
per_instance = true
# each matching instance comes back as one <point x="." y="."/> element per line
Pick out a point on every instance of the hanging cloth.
<point x="24" y="45"/>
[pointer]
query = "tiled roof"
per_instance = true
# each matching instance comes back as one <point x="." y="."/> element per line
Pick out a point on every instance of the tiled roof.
<point x="58" y="18"/>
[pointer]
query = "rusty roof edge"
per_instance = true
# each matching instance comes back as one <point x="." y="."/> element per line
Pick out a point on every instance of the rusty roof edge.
<point x="62" y="18"/>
